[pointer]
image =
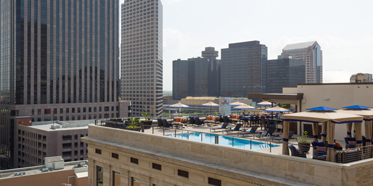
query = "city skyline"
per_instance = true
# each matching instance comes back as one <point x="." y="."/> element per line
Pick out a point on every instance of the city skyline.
<point x="181" y="40"/>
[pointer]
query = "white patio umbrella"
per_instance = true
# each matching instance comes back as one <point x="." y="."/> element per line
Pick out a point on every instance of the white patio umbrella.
<point x="243" y="107"/>
<point x="237" y="103"/>
<point x="265" y="104"/>
<point x="179" y="105"/>
<point x="210" y="104"/>
<point x="277" y="109"/>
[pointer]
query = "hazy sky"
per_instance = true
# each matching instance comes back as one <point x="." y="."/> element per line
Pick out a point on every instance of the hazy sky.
<point x="344" y="29"/>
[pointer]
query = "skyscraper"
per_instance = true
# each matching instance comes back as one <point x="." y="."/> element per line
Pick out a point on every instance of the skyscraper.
<point x="197" y="76"/>
<point x="311" y="53"/>
<point x="284" y="72"/>
<point x="142" y="56"/>
<point x="243" y="69"/>
<point x="58" y="61"/>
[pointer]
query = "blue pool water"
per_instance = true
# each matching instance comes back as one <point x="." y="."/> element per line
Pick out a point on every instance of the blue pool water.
<point x="223" y="140"/>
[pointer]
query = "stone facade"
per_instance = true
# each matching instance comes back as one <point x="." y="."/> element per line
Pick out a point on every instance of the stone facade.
<point x="232" y="166"/>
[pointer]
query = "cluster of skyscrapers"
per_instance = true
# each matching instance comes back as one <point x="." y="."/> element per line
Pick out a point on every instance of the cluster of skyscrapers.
<point x="244" y="69"/>
<point x="60" y="60"/>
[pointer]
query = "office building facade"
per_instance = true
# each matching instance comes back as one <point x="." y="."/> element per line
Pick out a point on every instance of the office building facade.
<point x="361" y="78"/>
<point x="243" y="69"/>
<point x="197" y="77"/>
<point x="142" y="56"/>
<point x="311" y="53"/>
<point x="284" y="72"/>
<point x="58" y="61"/>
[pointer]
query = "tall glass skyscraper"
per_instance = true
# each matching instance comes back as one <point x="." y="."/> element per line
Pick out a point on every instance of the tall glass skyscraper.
<point x="59" y="60"/>
<point x="311" y="53"/>
<point x="243" y="69"/>
<point x="142" y="56"/>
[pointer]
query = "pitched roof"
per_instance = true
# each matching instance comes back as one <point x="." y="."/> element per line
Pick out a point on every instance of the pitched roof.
<point x="299" y="45"/>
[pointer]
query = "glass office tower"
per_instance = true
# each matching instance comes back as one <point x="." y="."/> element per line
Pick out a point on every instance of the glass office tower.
<point x="311" y="53"/>
<point x="142" y="56"/>
<point x="284" y="72"/>
<point x="243" y="69"/>
<point x="58" y="60"/>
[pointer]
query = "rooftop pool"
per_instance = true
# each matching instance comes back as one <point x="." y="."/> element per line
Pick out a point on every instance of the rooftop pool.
<point x="223" y="140"/>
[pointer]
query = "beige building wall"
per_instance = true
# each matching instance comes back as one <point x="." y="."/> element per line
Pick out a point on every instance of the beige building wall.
<point x="203" y="161"/>
<point x="54" y="178"/>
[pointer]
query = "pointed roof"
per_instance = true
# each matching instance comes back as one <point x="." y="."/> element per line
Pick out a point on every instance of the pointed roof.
<point x="299" y="45"/>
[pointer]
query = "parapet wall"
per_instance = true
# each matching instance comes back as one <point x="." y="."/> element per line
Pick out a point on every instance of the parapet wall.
<point x="299" y="169"/>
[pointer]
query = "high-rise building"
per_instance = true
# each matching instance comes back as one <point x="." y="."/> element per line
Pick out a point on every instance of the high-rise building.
<point x="284" y="72"/>
<point x="311" y="53"/>
<point x="243" y="69"/>
<point x="361" y="78"/>
<point x="142" y="56"/>
<point x="58" y="61"/>
<point x="196" y="77"/>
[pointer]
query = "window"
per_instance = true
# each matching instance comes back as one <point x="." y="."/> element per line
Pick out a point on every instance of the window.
<point x="39" y="112"/>
<point x="99" y="176"/>
<point x="157" y="166"/>
<point x="47" y="111"/>
<point x="61" y="111"/>
<point x="115" y="155"/>
<point x="135" y="181"/>
<point x="183" y="173"/>
<point x="135" y="160"/>
<point x="67" y="110"/>
<point x="98" y="151"/>
<point x="213" y="181"/>
<point x="116" y="178"/>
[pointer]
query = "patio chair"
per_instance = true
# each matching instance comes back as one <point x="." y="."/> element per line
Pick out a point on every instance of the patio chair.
<point x="237" y="128"/>
<point x="160" y="122"/>
<point x="198" y="121"/>
<point x="224" y="126"/>
<point x="166" y="124"/>
<point x="350" y="143"/>
<point x="252" y="131"/>
<point x="268" y="134"/>
<point x="252" y="120"/>
<point x="319" y="150"/>
<point x="295" y="152"/>
<point x="279" y="138"/>
<point x="226" y="119"/>
<point x="191" y="120"/>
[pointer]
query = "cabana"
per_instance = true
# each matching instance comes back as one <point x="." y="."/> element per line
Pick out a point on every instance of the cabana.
<point x="328" y="117"/>
<point x="367" y="115"/>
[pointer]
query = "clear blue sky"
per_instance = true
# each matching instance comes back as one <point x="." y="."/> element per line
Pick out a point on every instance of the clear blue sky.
<point x="343" y="28"/>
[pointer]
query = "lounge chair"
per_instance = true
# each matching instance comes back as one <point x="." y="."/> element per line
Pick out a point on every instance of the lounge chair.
<point x="191" y="120"/>
<point x="350" y="143"/>
<point x="224" y="126"/>
<point x="166" y="124"/>
<point x="252" y="131"/>
<point x="295" y="152"/>
<point x="279" y="138"/>
<point x="198" y="121"/>
<point x="237" y="128"/>
<point x="160" y="122"/>
<point x="268" y="134"/>
<point x="319" y="150"/>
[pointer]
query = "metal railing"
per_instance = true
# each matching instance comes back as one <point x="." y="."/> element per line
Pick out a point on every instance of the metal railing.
<point x="185" y="134"/>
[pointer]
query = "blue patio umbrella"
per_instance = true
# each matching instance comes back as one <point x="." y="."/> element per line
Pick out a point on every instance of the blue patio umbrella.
<point x="357" y="107"/>
<point x="322" y="109"/>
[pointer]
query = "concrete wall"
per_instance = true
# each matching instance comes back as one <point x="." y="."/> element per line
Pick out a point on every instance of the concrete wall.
<point x="225" y="159"/>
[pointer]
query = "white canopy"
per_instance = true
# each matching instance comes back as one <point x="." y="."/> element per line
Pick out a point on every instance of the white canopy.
<point x="367" y="114"/>
<point x="237" y="103"/>
<point x="337" y="117"/>
<point x="244" y="107"/>
<point x="276" y="109"/>
<point x="265" y="103"/>
<point x="210" y="104"/>
<point x="179" y="105"/>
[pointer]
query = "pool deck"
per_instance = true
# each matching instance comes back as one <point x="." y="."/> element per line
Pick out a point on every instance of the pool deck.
<point x="205" y="129"/>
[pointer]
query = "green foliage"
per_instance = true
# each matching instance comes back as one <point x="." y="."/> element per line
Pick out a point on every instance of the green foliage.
<point x="133" y="123"/>
<point x="303" y="139"/>
<point x="216" y="113"/>
<point x="146" y="116"/>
